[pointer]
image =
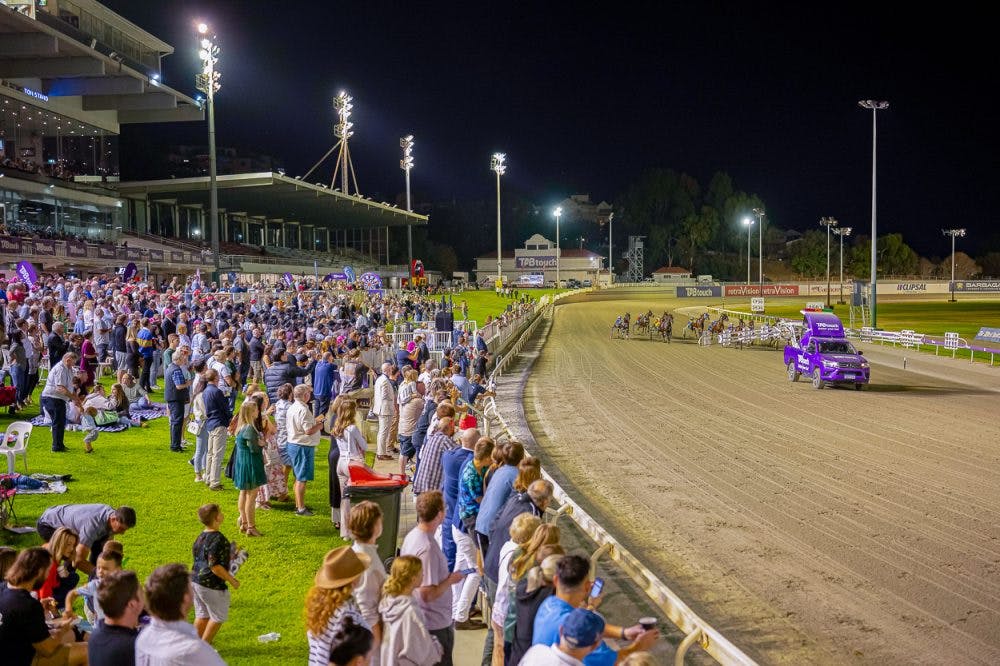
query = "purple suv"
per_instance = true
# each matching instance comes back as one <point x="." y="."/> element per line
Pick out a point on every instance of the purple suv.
<point x="825" y="354"/>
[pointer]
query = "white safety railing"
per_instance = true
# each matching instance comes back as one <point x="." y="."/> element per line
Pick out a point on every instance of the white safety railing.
<point x="696" y="629"/>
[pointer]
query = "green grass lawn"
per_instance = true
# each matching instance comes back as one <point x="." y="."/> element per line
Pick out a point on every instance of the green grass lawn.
<point x="485" y="302"/>
<point x="135" y="467"/>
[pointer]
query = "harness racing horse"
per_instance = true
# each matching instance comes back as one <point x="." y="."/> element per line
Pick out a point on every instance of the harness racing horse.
<point x="642" y="324"/>
<point x="665" y="326"/>
<point x="620" y="328"/>
<point x="696" y="326"/>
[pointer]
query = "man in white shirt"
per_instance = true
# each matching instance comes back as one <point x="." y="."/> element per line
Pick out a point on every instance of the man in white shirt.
<point x="57" y="392"/>
<point x="384" y="406"/>
<point x="169" y="640"/>
<point x="303" y="436"/>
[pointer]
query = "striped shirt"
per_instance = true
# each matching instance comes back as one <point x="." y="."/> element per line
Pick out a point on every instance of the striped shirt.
<point x="430" y="472"/>
<point x="319" y="646"/>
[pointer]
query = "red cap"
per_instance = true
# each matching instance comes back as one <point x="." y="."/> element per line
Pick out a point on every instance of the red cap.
<point x="468" y="421"/>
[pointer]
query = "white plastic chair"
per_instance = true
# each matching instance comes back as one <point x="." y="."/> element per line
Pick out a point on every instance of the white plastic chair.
<point x="19" y="432"/>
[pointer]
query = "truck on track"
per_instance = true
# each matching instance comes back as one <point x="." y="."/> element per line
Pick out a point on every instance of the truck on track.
<point x="824" y="354"/>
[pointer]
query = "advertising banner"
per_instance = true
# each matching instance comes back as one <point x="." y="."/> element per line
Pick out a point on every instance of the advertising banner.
<point x="745" y="290"/>
<point x="987" y="334"/>
<point x="76" y="249"/>
<point x="974" y="286"/>
<point x="349" y="272"/>
<point x="335" y="276"/>
<point x="10" y="244"/>
<point x="106" y="252"/>
<point x="288" y="278"/>
<point x="698" y="292"/>
<point x="133" y="253"/>
<point x="177" y="257"/>
<point x="536" y="262"/>
<point x="45" y="248"/>
<point x="371" y="281"/>
<point x="156" y="255"/>
<point x="813" y="289"/>
<point x="26" y="271"/>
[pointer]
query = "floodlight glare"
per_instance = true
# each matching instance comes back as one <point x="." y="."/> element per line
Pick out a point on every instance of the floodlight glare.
<point x="497" y="163"/>
<point x="202" y="28"/>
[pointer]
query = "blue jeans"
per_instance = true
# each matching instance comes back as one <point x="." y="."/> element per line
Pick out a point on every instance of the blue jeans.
<point x="200" y="449"/>
<point x="57" y="411"/>
<point x="176" y="409"/>
<point x="20" y="377"/>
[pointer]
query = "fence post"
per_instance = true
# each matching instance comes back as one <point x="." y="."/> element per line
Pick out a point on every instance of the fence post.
<point x="685" y="645"/>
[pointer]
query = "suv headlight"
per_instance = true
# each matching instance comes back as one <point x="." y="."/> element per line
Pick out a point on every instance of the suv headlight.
<point x="864" y="364"/>
<point x="831" y="364"/>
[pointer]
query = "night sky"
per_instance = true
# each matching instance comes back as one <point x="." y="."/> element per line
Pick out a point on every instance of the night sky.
<point x="584" y="99"/>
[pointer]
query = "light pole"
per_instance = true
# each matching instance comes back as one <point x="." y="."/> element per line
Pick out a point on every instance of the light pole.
<point x="759" y="212"/>
<point x="829" y="223"/>
<point x="611" y="274"/>
<point x="406" y="143"/>
<point x="749" y="225"/>
<point x="558" y="213"/>
<point x="875" y="107"/>
<point x="954" y="233"/>
<point x="842" y="231"/>
<point x="497" y="164"/>
<point x="208" y="82"/>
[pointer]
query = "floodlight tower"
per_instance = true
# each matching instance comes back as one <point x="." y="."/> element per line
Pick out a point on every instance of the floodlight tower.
<point x="611" y="222"/>
<point x="208" y="81"/>
<point x="748" y="223"/>
<point x="498" y="166"/>
<point x="875" y="106"/>
<point x="343" y="130"/>
<point x="829" y="223"/>
<point x="759" y="212"/>
<point x="406" y="143"/>
<point x="842" y="231"/>
<point x="558" y="213"/>
<point x="954" y="233"/>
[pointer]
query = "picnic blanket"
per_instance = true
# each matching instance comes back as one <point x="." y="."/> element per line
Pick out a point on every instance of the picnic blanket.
<point x="155" y="410"/>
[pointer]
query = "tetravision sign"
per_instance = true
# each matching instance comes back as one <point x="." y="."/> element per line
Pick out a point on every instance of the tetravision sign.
<point x="769" y="290"/>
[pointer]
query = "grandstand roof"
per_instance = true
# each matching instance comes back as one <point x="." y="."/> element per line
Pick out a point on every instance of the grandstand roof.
<point x="276" y="197"/>
<point x="63" y="65"/>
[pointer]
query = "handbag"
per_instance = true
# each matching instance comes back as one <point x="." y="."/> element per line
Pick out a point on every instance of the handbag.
<point x="194" y="427"/>
<point x="106" y="417"/>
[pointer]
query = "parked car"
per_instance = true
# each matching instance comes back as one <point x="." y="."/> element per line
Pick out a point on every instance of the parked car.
<point x="588" y="283"/>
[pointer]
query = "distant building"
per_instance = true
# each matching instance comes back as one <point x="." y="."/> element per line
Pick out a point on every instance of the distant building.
<point x="671" y="274"/>
<point x="186" y="161"/>
<point x="538" y="256"/>
<point x="578" y="208"/>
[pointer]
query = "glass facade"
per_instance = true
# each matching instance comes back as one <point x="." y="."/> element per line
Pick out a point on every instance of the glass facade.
<point x="50" y="216"/>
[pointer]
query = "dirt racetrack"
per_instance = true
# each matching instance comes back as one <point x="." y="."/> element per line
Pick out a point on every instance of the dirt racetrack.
<point x="808" y="526"/>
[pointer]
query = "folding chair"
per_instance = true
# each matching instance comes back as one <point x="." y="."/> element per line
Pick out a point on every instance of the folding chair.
<point x="15" y="441"/>
<point x="7" y="491"/>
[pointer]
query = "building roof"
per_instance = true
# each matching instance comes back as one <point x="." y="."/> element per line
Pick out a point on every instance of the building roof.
<point x="507" y="254"/>
<point x="673" y="270"/>
<point x="275" y="197"/>
<point x="574" y="253"/>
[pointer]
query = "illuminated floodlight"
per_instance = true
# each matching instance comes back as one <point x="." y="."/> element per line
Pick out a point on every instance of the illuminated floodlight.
<point x="202" y="28"/>
<point x="497" y="163"/>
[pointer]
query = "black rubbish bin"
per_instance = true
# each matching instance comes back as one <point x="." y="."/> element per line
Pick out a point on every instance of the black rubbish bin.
<point x="386" y="490"/>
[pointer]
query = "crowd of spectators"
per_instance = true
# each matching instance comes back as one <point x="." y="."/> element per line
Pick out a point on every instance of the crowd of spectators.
<point x="61" y="169"/>
<point x="296" y="360"/>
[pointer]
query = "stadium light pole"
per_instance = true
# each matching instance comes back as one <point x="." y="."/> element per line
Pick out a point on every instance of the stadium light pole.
<point x="842" y="231"/>
<point x="611" y="222"/>
<point x="748" y="223"/>
<point x="954" y="233"/>
<point x="759" y="212"/>
<point x="875" y="106"/>
<point x="497" y="165"/>
<point x="208" y="82"/>
<point x="406" y="143"/>
<point x="558" y="213"/>
<point x="829" y="223"/>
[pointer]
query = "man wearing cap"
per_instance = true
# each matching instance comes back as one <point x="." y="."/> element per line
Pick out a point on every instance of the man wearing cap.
<point x="341" y="568"/>
<point x="579" y="635"/>
<point x="94" y="523"/>
<point x="573" y="586"/>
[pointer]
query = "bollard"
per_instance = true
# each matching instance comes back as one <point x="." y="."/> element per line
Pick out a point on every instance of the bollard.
<point x="904" y="363"/>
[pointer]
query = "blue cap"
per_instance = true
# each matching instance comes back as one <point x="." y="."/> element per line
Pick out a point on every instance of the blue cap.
<point x="582" y="628"/>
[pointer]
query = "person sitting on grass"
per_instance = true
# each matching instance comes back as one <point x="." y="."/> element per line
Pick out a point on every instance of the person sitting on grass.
<point x="210" y="573"/>
<point x="24" y="634"/>
<point x="169" y="640"/>
<point x="112" y="642"/>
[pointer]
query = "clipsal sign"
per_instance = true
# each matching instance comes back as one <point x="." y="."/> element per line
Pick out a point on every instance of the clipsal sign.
<point x="536" y="262"/>
<point x="911" y="286"/>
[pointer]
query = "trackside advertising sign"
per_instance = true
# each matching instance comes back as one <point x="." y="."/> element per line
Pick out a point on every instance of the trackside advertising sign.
<point x="987" y="334"/>
<point x="536" y="262"/>
<point x="698" y="292"/>
<point x="754" y="290"/>
<point x="977" y="286"/>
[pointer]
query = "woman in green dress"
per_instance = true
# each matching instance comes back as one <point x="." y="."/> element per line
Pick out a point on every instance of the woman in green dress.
<point x="248" y="467"/>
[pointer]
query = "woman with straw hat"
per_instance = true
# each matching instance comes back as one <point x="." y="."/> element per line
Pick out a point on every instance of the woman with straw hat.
<point x="330" y="601"/>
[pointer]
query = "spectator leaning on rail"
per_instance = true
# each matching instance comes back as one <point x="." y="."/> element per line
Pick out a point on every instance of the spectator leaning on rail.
<point x="534" y="501"/>
<point x="573" y="586"/>
<point x="94" y="523"/>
